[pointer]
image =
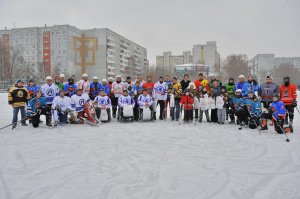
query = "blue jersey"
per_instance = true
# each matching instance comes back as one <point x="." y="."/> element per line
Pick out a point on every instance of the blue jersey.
<point x="70" y="89"/>
<point x="239" y="85"/>
<point x="238" y="103"/>
<point x="254" y="107"/>
<point x="106" y="89"/>
<point x="36" y="103"/>
<point x="279" y="109"/>
<point x="136" y="89"/>
<point x="95" y="88"/>
<point x="249" y="86"/>
<point x="32" y="90"/>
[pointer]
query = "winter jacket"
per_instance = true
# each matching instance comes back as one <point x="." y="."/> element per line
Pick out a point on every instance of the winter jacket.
<point x="237" y="103"/>
<point x="106" y="89"/>
<point x="253" y="107"/>
<point x="32" y="90"/>
<point x="18" y="96"/>
<point x="185" y="84"/>
<point x="149" y="86"/>
<point x="95" y="89"/>
<point x="60" y="86"/>
<point x="187" y="101"/>
<point x="288" y="94"/>
<point x="230" y="89"/>
<point x="177" y="90"/>
<point x="70" y="89"/>
<point x="266" y="91"/>
<point x="215" y="91"/>
<point x="239" y="85"/>
<point x="36" y="103"/>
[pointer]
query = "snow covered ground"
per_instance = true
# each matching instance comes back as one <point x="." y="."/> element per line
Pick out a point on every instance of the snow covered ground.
<point x="159" y="160"/>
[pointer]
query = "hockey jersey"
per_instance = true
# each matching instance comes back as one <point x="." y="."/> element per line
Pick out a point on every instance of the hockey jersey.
<point x="160" y="91"/>
<point x="62" y="102"/>
<point x="278" y="109"/>
<point x="125" y="100"/>
<point x="142" y="100"/>
<point x="106" y="89"/>
<point x="103" y="101"/>
<point x="288" y="94"/>
<point x="36" y="103"/>
<point x="238" y="103"/>
<point x="78" y="102"/>
<point x="95" y="88"/>
<point x="32" y="90"/>
<point x="70" y="89"/>
<point x="84" y="85"/>
<point x="49" y="91"/>
<point x="254" y="107"/>
<point x="149" y="86"/>
<point x="117" y="89"/>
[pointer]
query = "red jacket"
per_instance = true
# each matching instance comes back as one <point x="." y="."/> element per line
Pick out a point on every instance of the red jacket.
<point x="288" y="94"/>
<point x="149" y="86"/>
<point x="187" y="101"/>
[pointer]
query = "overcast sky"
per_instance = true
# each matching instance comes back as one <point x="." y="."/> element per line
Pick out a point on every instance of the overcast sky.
<point x="238" y="26"/>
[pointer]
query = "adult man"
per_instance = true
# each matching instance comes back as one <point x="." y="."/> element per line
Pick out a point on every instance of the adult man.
<point x="117" y="90"/>
<point x="149" y="85"/>
<point x="59" y="84"/>
<point x="70" y="87"/>
<point x="62" y="78"/>
<point x="105" y="87"/>
<point x="201" y="82"/>
<point x="185" y="82"/>
<point x="288" y="96"/>
<point x="17" y="98"/>
<point x="61" y="105"/>
<point x="84" y="84"/>
<point x="95" y="88"/>
<point x="175" y="103"/>
<point x="160" y="94"/>
<point x="241" y="83"/>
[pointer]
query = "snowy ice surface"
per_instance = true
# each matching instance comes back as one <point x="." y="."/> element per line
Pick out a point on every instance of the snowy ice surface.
<point x="160" y="160"/>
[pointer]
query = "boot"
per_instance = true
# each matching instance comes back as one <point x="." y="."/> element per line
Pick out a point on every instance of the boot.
<point x="200" y="119"/>
<point x="154" y="115"/>
<point x="196" y="114"/>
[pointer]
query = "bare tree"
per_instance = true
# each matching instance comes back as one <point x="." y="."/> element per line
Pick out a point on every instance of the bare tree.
<point x="235" y="65"/>
<point x="286" y="69"/>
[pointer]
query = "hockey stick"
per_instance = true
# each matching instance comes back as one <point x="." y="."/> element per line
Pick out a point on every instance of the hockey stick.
<point x="287" y="138"/>
<point x="297" y="109"/>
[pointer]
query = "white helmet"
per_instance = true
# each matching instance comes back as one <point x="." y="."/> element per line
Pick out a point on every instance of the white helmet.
<point x="62" y="75"/>
<point x="104" y="80"/>
<point x="95" y="78"/>
<point x="48" y="78"/>
<point x="119" y="76"/>
<point x="238" y="91"/>
<point x="212" y="75"/>
<point x="242" y="77"/>
<point x="110" y="78"/>
<point x="85" y="75"/>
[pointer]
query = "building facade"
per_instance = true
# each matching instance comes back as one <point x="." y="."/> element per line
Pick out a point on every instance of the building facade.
<point x="69" y="50"/>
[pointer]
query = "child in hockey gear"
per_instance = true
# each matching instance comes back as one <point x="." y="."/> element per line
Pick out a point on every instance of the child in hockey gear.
<point x="195" y="94"/>
<point x="175" y="104"/>
<point x="125" y="100"/>
<point x="103" y="103"/>
<point x="17" y="98"/>
<point x="215" y="92"/>
<point x="278" y="113"/>
<point x="144" y="101"/>
<point x="222" y="105"/>
<point x="240" y="111"/>
<point x="70" y="88"/>
<point x="117" y="90"/>
<point x="254" y="109"/>
<point x="187" y="102"/>
<point x="95" y="88"/>
<point x="160" y="94"/>
<point x="61" y="105"/>
<point x="203" y="105"/>
<point x="80" y="108"/>
<point x="39" y="107"/>
<point x="288" y="96"/>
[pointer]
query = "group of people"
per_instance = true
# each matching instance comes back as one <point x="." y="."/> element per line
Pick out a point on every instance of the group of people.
<point x="245" y="102"/>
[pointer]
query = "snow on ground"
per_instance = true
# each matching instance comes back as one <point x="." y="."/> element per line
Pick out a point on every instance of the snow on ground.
<point x="160" y="160"/>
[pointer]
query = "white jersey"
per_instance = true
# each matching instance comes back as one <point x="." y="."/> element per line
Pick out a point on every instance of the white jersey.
<point x="127" y="86"/>
<point x="49" y="91"/>
<point x="126" y="100"/>
<point x="117" y="88"/>
<point x="78" y="102"/>
<point x="142" y="100"/>
<point x="84" y="85"/>
<point x="160" y="91"/>
<point x="103" y="101"/>
<point x="62" y="102"/>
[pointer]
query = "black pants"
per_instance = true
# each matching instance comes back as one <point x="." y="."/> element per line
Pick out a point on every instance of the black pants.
<point x="214" y="115"/>
<point x="114" y="103"/>
<point x="136" y="111"/>
<point x="290" y="113"/>
<point x="162" y="107"/>
<point x="35" y="120"/>
<point x="278" y="125"/>
<point x="242" y="115"/>
<point x="188" y="115"/>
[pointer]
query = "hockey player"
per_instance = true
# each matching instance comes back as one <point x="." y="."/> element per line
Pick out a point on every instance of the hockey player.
<point x="125" y="100"/>
<point x="278" y="114"/>
<point x="175" y="104"/>
<point x="187" y="102"/>
<point x="110" y="82"/>
<point x="61" y="105"/>
<point x="239" y="107"/>
<point x="32" y="88"/>
<point x="253" y="105"/>
<point x="288" y="96"/>
<point x="95" y="88"/>
<point x="168" y="83"/>
<point x="117" y="90"/>
<point x="144" y="101"/>
<point x="128" y="85"/>
<point x="160" y="94"/>
<point x="39" y="107"/>
<point x="149" y="85"/>
<point x="106" y="87"/>
<point x="49" y="91"/>
<point x="266" y="92"/>
<point x="62" y="78"/>
<point x="17" y="98"/>
<point x="70" y="87"/>
<point x="215" y="92"/>
<point x="137" y="90"/>
<point x="103" y="103"/>
<point x="84" y="84"/>
<point x="80" y="108"/>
